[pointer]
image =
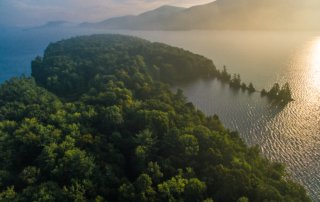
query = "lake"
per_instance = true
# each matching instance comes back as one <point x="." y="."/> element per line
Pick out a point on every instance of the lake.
<point x="289" y="134"/>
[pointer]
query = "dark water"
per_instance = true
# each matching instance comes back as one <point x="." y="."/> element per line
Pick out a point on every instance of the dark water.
<point x="290" y="134"/>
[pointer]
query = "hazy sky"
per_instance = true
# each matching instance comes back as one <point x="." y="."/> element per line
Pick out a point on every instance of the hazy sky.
<point x="35" y="12"/>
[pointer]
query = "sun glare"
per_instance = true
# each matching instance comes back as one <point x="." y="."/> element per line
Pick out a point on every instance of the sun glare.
<point x="314" y="62"/>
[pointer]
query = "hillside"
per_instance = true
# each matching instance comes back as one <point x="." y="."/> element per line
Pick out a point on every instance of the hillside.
<point x="99" y="123"/>
<point x="155" y="19"/>
<point x="227" y="14"/>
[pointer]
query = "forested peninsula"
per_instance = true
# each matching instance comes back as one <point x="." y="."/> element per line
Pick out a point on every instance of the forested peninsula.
<point x="98" y="122"/>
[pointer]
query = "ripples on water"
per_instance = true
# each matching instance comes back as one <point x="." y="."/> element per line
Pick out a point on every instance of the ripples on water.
<point x="291" y="134"/>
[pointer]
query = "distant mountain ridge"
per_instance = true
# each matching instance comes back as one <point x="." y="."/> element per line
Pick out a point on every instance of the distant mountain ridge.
<point x="54" y="24"/>
<point x="155" y="19"/>
<point x="224" y="14"/>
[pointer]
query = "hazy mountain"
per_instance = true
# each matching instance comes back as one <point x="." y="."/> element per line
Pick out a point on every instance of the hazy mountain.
<point x="251" y="14"/>
<point x="54" y="24"/>
<point x="225" y="14"/>
<point x="155" y="19"/>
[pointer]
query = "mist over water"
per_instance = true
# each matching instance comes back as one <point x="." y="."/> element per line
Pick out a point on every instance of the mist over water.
<point x="290" y="134"/>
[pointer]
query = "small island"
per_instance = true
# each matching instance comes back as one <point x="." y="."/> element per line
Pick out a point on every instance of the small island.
<point x="281" y="95"/>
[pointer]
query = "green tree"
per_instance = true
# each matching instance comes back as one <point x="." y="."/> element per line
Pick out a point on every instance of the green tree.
<point x="274" y="91"/>
<point x="8" y="195"/>
<point x="195" y="190"/>
<point x="285" y="93"/>
<point x="251" y="88"/>
<point x="190" y="144"/>
<point x="144" y="188"/>
<point x="126" y="192"/>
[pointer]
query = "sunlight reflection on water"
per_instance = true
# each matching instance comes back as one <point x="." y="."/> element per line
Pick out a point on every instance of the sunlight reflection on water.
<point x="290" y="135"/>
<point x="315" y="64"/>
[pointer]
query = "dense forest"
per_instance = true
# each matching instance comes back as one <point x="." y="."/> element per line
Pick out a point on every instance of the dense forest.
<point x="98" y="122"/>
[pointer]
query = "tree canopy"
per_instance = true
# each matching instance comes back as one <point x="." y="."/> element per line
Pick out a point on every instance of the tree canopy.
<point x="98" y="123"/>
<point x="281" y="95"/>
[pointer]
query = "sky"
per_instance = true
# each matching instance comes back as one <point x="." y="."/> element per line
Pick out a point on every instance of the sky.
<point x="37" y="12"/>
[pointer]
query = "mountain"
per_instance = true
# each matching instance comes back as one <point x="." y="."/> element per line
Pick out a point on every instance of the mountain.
<point x="251" y="14"/>
<point x="54" y="24"/>
<point x="155" y="19"/>
<point x="225" y="14"/>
